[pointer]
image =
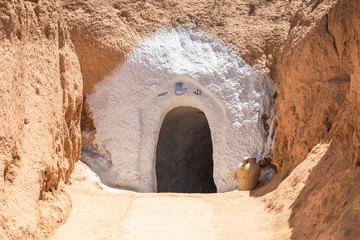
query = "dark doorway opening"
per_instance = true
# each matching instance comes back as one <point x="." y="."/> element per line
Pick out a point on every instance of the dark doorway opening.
<point x="184" y="161"/>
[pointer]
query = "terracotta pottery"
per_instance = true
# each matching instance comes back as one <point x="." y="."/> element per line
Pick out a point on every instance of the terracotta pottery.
<point x="248" y="173"/>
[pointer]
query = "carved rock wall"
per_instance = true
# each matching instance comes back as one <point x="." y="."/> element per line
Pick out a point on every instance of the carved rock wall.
<point x="318" y="84"/>
<point x="40" y="105"/>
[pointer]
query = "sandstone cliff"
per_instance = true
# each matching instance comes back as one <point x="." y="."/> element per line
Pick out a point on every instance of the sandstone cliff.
<point x="40" y="99"/>
<point x="318" y="85"/>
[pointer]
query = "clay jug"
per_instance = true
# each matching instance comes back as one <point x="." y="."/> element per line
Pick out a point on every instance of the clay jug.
<point x="248" y="173"/>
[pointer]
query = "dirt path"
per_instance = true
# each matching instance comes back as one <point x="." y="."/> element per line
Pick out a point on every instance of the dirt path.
<point x="100" y="214"/>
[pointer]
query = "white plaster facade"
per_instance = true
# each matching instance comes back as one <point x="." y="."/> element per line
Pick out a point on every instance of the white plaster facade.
<point x="176" y="67"/>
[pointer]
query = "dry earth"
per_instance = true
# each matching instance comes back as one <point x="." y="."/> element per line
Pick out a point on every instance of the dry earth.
<point x="99" y="214"/>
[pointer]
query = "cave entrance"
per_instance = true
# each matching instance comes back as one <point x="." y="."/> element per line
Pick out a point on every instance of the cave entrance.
<point x="184" y="152"/>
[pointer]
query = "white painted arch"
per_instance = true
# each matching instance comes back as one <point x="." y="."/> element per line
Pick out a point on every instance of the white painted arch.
<point x="213" y="109"/>
<point x="129" y="106"/>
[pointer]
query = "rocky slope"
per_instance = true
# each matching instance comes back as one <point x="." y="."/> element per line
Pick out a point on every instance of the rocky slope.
<point x="40" y="99"/>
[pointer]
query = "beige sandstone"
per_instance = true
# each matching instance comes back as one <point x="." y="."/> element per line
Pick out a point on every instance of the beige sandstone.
<point x="310" y="48"/>
<point x="318" y="79"/>
<point x="40" y="99"/>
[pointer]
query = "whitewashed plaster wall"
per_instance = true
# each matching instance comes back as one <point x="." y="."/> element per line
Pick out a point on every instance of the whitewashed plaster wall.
<point x="129" y="106"/>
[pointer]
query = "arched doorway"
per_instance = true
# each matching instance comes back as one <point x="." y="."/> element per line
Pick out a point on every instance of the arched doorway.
<point x="184" y="153"/>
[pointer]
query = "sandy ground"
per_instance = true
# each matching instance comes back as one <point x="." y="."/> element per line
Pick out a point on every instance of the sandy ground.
<point x="100" y="212"/>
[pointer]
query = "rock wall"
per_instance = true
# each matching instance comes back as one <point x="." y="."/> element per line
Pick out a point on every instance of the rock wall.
<point x="129" y="105"/>
<point x="310" y="48"/>
<point x="104" y="34"/>
<point x="40" y="105"/>
<point x="318" y="85"/>
<point x="312" y="85"/>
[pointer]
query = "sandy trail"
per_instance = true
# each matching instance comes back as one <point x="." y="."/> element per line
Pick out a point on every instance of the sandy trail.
<point x="100" y="214"/>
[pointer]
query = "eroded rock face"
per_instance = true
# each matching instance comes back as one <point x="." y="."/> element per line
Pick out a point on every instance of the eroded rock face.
<point x="40" y="105"/>
<point x="104" y="32"/>
<point x="318" y="85"/>
<point x="312" y="85"/>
